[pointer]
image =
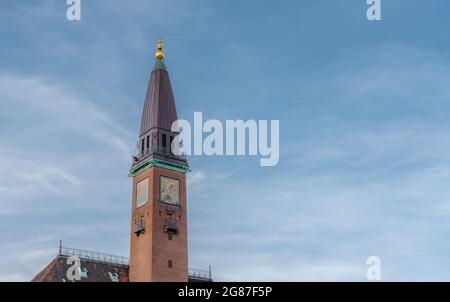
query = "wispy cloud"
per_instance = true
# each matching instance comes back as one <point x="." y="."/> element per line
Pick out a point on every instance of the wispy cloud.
<point x="196" y="177"/>
<point x="352" y="190"/>
<point x="52" y="140"/>
<point x="28" y="179"/>
<point x="44" y="127"/>
<point x="52" y="107"/>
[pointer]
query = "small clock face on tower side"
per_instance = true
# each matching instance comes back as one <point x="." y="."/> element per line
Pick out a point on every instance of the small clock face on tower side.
<point x="170" y="190"/>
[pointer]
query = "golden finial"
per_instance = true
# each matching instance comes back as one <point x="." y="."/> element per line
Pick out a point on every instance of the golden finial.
<point x="159" y="55"/>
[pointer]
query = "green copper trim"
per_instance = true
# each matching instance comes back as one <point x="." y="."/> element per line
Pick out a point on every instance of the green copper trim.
<point x="159" y="163"/>
<point x="160" y="65"/>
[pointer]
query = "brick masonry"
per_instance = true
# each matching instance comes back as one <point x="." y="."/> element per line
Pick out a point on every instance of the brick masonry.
<point x="151" y="251"/>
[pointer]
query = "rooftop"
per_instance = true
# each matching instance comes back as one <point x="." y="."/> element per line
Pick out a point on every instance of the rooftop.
<point x="98" y="267"/>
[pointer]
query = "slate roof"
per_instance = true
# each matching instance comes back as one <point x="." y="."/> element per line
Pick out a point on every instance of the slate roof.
<point x="91" y="271"/>
<point x="97" y="267"/>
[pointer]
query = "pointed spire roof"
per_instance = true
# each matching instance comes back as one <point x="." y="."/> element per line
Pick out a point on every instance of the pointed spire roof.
<point x="159" y="107"/>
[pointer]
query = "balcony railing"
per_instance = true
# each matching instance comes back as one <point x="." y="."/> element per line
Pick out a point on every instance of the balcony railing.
<point x="139" y="227"/>
<point x="171" y="225"/>
<point x="197" y="274"/>
<point x="200" y="274"/>
<point x="157" y="149"/>
<point x="95" y="256"/>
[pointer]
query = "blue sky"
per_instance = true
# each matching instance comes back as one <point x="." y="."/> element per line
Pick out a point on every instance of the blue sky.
<point x="364" y="133"/>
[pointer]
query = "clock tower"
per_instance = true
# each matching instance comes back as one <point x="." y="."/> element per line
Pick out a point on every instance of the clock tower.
<point x="158" y="222"/>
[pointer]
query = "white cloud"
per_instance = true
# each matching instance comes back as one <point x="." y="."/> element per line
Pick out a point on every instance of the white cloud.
<point x="52" y="143"/>
<point x="36" y="255"/>
<point x="292" y="271"/>
<point x="29" y="180"/>
<point x="50" y="107"/>
<point x="353" y="189"/>
<point x="51" y="136"/>
<point x="196" y="177"/>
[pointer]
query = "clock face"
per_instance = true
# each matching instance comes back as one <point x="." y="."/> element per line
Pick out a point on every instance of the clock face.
<point x="170" y="190"/>
<point x="142" y="193"/>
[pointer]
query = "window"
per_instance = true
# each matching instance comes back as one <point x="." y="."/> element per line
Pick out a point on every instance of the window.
<point x="142" y="147"/>
<point x="148" y="142"/>
<point x="170" y="263"/>
<point x="170" y="236"/>
<point x="139" y="227"/>
<point x="170" y="145"/>
<point x="164" y="141"/>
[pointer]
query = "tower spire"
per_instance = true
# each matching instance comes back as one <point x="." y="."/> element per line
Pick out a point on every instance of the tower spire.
<point x="159" y="250"/>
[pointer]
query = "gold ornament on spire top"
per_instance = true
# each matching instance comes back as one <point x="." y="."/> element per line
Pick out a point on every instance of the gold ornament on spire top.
<point x="159" y="55"/>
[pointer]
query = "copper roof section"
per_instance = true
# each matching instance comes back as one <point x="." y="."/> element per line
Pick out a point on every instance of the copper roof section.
<point x="159" y="108"/>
